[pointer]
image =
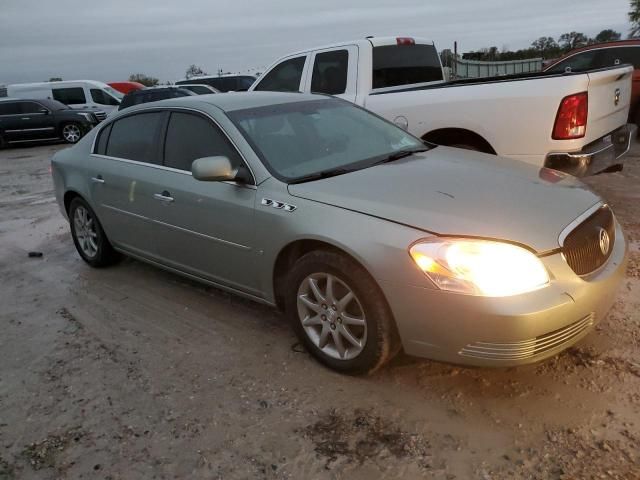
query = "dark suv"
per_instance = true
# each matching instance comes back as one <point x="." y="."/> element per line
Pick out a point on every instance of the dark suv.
<point x="152" y="94"/>
<point x="39" y="120"/>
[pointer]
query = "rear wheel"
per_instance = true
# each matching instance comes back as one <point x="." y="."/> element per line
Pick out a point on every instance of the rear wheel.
<point x="339" y="313"/>
<point x="88" y="236"/>
<point x="71" y="132"/>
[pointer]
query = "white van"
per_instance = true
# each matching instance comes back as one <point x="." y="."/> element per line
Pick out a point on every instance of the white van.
<point x="80" y="94"/>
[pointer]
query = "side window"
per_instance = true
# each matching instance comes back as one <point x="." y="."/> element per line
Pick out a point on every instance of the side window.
<point x="330" y="72"/>
<point x="578" y="63"/>
<point x="190" y="137"/>
<point x="10" y="108"/>
<point x="69" y="96"/>
<point x="103" y="138"/>
<point x="244" y="83"/>
<point x="101" y="97"/>
<point x="229" y="84"/>
<point x="135" y="137"/>
<point x="284" y="77"/>
<point x="623" y="55"/>
<point x="31" y="107"/>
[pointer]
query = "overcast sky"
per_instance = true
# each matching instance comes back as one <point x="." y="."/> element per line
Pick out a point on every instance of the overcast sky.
<point x="109" y="39"/>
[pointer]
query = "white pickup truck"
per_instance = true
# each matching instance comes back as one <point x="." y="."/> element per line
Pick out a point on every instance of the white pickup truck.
<point x="575" y="122"/>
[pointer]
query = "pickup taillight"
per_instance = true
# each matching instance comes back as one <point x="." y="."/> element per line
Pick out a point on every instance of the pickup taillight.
<point x="571" y="120"/>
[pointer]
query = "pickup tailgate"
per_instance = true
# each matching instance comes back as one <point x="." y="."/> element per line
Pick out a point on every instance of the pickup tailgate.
<point x="609" y="100"/>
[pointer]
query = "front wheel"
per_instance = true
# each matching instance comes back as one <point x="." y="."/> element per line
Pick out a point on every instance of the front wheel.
<point x="71" y="133"/>
<point x="339" y="313"/>
<point x="89" y="238"/>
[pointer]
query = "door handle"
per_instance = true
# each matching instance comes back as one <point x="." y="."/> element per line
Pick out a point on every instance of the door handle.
<point x="163" y="197"/>
<point x="97" y="179"/>
<point x="26" y="118"/>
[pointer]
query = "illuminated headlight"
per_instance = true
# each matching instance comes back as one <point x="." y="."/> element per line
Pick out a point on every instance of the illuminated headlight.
<point x="479" y="267"/>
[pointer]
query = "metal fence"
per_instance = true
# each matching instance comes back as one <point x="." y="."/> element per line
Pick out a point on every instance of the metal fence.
<point x="477" y="69"/>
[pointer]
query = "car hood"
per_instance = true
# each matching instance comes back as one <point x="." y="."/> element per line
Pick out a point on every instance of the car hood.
<point x="449" y="191"/>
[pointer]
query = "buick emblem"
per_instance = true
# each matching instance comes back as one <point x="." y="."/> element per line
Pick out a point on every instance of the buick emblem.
<point x="616" y="97"/>
<point x="604" y="241"/>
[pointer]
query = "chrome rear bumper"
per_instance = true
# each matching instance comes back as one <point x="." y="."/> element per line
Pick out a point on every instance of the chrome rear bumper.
<point x="596" y="157"/>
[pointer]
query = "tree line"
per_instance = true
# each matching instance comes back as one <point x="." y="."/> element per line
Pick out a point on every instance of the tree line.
<point x="545" y="47"/>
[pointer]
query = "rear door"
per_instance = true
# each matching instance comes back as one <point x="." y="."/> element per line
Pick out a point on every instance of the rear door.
<point x="330" y="72"/>
<point x="124" y="178"/>
<point x="206" y="228"/>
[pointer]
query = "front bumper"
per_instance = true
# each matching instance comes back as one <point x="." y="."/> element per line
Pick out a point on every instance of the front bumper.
<point x="596" y="157"/>
<point x="507" y="331"/>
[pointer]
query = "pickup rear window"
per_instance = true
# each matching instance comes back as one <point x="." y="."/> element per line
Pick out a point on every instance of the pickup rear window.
<point x="395" y="65"/>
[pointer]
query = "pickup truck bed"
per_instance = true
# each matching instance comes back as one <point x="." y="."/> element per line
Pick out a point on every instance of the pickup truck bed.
<point x="514" y="116"/>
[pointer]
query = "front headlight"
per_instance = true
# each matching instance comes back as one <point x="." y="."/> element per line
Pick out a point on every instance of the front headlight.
<point x="479" y="267"/>
<point x="88" y="116"/>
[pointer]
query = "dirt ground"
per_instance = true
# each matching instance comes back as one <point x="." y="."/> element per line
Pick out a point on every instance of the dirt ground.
<point x="131" y="372"/>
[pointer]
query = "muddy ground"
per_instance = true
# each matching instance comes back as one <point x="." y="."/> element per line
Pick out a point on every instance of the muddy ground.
<point x="131" y="372"/>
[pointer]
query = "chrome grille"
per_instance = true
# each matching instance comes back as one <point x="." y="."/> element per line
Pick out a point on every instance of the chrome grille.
<point x="100" y="115"/>
<point x="583" y="247"/>
<point x="527" y="348"/>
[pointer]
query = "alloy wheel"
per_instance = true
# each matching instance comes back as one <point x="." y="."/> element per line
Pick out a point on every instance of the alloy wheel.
<point x="332" y="316"/>
<point x="85" y="231"/>
<point x="71" y="133"/>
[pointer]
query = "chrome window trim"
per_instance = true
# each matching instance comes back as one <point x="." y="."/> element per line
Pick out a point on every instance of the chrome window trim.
<point x="104" y="124"/>
<point x="170" y="169"/>
<point x="569" y="228"/>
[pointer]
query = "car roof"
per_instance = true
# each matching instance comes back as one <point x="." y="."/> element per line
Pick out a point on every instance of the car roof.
<point x="229" y="102"/>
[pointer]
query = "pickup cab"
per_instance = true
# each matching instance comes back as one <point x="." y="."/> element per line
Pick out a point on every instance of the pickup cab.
<point x="569" y="121"/>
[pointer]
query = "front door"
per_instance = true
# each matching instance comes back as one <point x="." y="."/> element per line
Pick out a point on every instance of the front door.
<point x="206" y="228"/>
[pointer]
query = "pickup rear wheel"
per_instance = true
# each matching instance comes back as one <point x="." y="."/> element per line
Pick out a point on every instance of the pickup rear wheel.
<point x="71" y="132"/>
<point x="339" y="313"/>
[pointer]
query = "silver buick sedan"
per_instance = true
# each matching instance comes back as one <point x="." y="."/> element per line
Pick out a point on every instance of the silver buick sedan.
<point x="367" y="238"/>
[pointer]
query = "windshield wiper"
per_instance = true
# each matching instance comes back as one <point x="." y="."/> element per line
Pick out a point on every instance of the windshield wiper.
<point x="401" y="154"/>
<point x="323" y="174"/>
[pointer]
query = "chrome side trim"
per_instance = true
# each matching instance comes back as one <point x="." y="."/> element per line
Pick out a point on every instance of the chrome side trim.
<point x="581" y="218"/>
<point x="186" y="230"/>
<point x="31" y="129"/>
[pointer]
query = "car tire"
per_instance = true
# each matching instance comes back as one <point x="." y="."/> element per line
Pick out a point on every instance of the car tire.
<point x="325" y="331"/>
<point x="88" y="236"/>
<point x="71" y="132"/>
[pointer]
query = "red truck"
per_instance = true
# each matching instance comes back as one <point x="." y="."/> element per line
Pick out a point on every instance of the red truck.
<point x="601" y="55"/>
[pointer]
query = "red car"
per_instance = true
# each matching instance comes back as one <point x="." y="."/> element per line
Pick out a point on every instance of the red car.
<point x="126" y="87"/>
<point x="601" y="55"/>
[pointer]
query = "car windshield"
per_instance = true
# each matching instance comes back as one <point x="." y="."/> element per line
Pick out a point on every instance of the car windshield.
<point x="306" y="140"/>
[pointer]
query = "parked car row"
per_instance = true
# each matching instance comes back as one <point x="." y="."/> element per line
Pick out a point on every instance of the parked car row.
<point x="33" y="122"/>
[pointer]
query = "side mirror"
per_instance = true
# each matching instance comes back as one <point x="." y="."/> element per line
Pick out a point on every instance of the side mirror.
<point x="213" y="169"/>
